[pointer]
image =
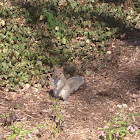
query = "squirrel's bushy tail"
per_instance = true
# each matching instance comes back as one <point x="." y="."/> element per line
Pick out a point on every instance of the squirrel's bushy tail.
<point x="75" y="82"/>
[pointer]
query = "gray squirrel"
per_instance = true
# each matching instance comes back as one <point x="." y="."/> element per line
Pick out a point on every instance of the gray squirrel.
<point x="63" y="87"/>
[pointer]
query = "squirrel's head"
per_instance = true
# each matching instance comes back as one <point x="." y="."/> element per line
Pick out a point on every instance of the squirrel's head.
<point x="58" y="73"/>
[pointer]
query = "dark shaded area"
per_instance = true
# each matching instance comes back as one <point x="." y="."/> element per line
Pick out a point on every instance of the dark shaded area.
<point x="113" y="1"/>
<point x="129" y="3"/>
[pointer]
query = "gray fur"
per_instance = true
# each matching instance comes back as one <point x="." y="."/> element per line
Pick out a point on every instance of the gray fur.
<point x="62" y="87"/>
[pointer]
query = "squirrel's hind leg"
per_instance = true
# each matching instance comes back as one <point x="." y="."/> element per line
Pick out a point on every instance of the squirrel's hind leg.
<point x="65" y="95"/>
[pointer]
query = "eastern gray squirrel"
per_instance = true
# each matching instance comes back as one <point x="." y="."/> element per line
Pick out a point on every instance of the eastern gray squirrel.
<point x="63" y="87"/>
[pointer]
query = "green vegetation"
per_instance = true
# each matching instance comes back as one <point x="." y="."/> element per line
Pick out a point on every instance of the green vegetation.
<point x="57" y="119"/>
<point x="36" y="35"/>
<point x="18" y="133"/>
<point x="119" y="126"/>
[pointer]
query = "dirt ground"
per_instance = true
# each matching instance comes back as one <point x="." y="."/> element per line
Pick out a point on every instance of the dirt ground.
<point x="110" y="81"/>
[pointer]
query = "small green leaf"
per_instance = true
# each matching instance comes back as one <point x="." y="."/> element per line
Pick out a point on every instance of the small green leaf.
<point x="64" y="40"/>
<point x="12" y="136"/>
<point x="5" y="50"/>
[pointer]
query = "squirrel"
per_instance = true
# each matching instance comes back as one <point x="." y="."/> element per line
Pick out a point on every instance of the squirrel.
<point x="63" y="87"/>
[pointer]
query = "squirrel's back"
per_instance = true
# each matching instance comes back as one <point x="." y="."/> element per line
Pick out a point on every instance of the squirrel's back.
<point x="75" y="83"/>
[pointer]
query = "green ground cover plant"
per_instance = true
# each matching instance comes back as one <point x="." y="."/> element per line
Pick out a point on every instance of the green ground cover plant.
<point x="119" y="126"/>
<point x="36" y="35"/>
<point x="18" y="132"/>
